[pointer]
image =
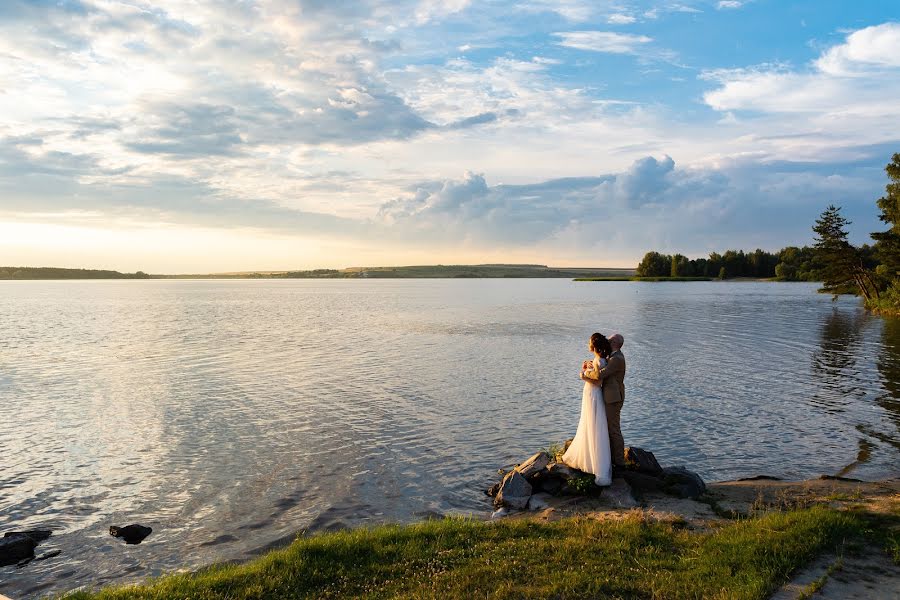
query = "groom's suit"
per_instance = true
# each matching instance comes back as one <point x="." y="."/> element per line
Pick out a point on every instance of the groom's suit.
<point x="612" y="376"/>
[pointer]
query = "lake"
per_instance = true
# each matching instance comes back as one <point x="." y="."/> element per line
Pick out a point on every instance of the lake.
<point x="230" y="414"/>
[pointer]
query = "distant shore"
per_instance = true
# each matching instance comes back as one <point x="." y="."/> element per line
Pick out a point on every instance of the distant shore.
<point x="487" y="271"/>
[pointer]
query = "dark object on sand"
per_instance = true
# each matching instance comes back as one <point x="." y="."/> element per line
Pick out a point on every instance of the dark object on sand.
<point x="132" y="534"/>
<point x="16" y="546"/>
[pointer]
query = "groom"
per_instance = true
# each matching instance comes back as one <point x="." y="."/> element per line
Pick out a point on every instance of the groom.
<point x="612" y="376"/>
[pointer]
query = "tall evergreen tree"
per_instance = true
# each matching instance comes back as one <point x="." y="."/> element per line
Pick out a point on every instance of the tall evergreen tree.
<point x="887" y="243"/>
<point x="843" y="268"/>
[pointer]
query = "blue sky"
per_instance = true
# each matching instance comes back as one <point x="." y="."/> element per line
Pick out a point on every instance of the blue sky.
<point x="269" y="134"/>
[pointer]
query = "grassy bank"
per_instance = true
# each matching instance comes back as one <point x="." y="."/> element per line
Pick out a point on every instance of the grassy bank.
<point x="571" y="558"/>
<point x="644" y="279"/>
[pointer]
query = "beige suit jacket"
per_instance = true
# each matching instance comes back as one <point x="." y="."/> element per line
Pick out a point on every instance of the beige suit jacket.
<point x="612" y="376"/>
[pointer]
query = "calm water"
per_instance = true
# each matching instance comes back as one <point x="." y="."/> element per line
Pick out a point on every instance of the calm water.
<point x="228" y="415"/>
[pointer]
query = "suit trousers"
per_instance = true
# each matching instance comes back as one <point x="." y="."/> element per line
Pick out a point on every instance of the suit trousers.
<point x="616" y="441"/>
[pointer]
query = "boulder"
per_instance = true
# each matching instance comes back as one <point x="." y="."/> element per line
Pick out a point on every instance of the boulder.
<point x="684" y="483"/>
<point x="534" y="465"/>
<point x="618" y="495"/>
<point x="642" y="461"/>
<point x="563" y="471"/>
<point x="14" y="549"/>
<point x="514" y="491"/>
<point x="16" y="546"/>
<point x="132" y="534"/>
<point x="547" y="482"/>
<point x="643" y="482"/>
<point x="567" y="443"/>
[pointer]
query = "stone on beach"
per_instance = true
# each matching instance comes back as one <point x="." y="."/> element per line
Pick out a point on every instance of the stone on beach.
<point x="514" y="491"/>
<point x="562" y="470"/>
<point x="684" y="483"/>
<point x="642" y="461"/>
<point x="534" y="465"/>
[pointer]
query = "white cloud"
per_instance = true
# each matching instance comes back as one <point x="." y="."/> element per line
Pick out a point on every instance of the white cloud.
<point x="604" y="41"/>
<point x="620" y="19"/>
<point x="867" y="50"/>
<point x="726" y="4"/>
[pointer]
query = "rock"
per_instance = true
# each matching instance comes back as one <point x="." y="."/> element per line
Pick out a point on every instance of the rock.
<point x="563" y="471"/>
<point x="132" y="534"/>
<point x="539" y="501"/>
<point x="18" y="546"/>
<point x="642" y="461"/>
<point x="547" y="482"/>
<point x="492" y="491"/>
<point x="683" y="483"/>
<point x="514" y="491"/>
<point x="618" y="494"/>
<point x="643" y="482"/>
<point x="15" y="549"/>
<point x="534" y="465"/>
<point x="760" y="478"/>
<point x="567" y="443"/>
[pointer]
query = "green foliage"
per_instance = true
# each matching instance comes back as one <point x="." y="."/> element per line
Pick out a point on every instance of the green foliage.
<point x="555" y="450"/>
<point x="584" y="485"/>
<point x="790" y="264"/>
<point x="573" y="558"/>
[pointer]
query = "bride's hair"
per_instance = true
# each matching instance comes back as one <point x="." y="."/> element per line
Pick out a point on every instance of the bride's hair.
<point x="601" y="345"/>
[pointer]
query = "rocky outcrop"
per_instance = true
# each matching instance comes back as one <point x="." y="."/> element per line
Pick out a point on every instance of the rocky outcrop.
<point x="541" y="474"/>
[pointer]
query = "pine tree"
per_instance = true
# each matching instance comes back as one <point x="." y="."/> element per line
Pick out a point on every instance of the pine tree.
<point x="887" y="243"/>
<point x="844" y="270"/>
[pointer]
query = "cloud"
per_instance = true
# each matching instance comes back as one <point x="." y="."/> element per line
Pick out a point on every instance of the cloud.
<point x="620" y="19"/>
<point x="729" y="4"/>
<point x="868" y="51"/>
<point x="604" y="41"/>
<point x="694" y="209"/>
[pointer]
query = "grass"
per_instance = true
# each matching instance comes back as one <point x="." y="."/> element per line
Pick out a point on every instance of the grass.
<point x="644" y="279"/>
<point x="573" y="558"/>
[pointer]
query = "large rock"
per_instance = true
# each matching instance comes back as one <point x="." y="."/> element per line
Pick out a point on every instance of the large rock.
<point x="534" y="465"/>
<point x="19" y="545"/>
<point x="643" y="482"/>
<point x="514" y="491"/>
<point x="618" y="495"/>
<point x="132" y="534"/>
<point x="547" y="482"/>
<point x="563" y="471"/>
<point x="642" y="461"/>
<point x="684" y="483"/>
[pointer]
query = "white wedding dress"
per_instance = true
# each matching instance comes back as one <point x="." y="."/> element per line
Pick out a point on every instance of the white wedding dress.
<point x="589" y="451"/>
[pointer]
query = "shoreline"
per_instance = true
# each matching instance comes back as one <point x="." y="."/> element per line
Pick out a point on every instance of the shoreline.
<point x="319" y="564"/>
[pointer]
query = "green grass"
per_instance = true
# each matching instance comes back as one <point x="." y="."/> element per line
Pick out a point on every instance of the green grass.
<point x="644" y="279"/>
<point x="573" y="558"/>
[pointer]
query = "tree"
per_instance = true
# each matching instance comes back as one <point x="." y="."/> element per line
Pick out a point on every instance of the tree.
<point x="654" y="264"/>
<point x="722" y="273"/>
<point x="887" y="243"/>
<point x="843" y="270"/>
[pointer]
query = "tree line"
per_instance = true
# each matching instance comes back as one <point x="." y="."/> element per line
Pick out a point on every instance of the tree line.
<point x="788" y="264"/>
<point x="868" y="270"/>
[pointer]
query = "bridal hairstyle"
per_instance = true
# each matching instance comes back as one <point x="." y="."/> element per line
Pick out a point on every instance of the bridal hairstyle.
<point x="601" y="345"/>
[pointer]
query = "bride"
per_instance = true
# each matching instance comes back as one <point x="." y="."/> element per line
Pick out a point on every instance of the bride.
<point x="589" y="451"/>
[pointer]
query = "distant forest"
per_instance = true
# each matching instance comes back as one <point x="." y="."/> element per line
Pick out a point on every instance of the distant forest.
<point x="57" y="273"/>
<point x="789" y="264"/>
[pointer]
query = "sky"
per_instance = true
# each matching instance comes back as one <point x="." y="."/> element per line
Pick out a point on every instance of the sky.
<point x="185" y="136"/>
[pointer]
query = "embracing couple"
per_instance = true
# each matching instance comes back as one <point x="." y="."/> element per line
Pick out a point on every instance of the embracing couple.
<point x="598" y="445"/>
